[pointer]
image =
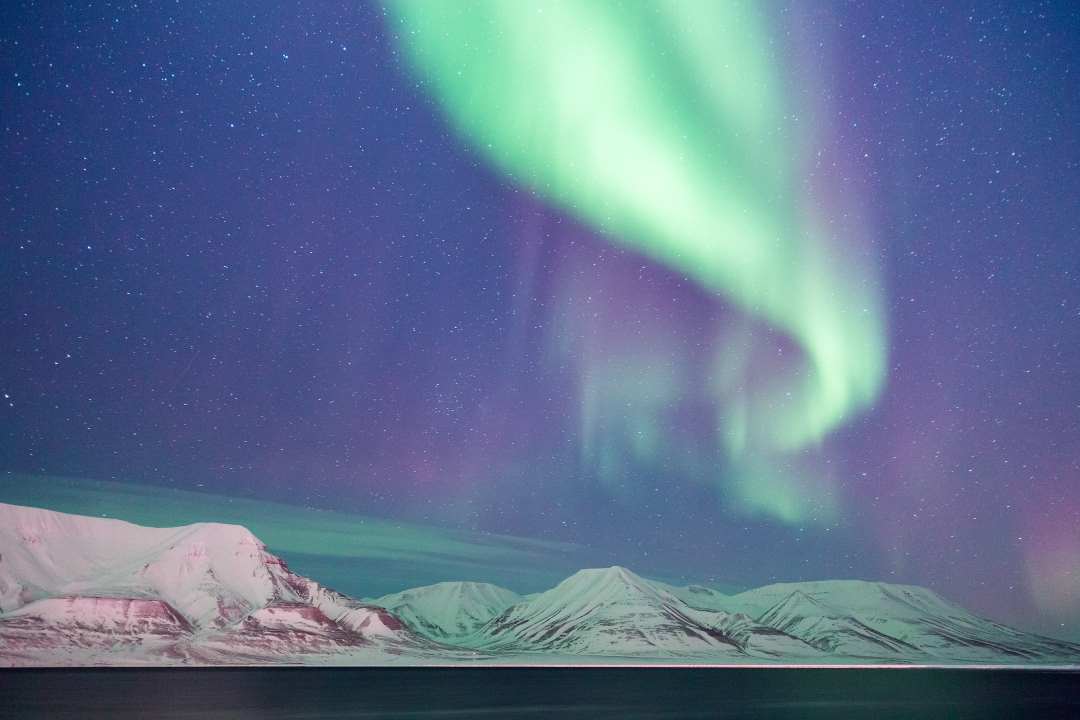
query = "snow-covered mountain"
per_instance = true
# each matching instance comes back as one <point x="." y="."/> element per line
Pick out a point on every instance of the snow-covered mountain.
<point x="893" y="622"/>
<point x="77" y="589"/>
<point x="832" y="631"/>
<point x="211" y="574"/>
<point x="612" y="612"/>
<point x="608" y="612"/>
<point x="449" y="610"/>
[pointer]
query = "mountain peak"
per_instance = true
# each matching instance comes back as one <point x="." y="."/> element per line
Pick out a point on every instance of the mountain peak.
<point x="616" y="573"/>
<point x="608" y="611"/>
<point x="610" y="571"/>
<point x="448" y="609"/>
<point x="604" y="586"/>
<point x="858" y="595"/>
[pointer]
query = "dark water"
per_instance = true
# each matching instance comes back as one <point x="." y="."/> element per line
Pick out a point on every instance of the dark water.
<point x="593" y="693"/>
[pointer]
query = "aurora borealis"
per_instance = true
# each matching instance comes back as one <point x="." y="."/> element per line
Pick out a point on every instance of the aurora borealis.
<point x="724" y="292"/>
<point x="662" y="125"/>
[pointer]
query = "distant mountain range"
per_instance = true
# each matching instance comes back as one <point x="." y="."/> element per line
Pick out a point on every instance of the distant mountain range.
<point x="78" y="590"/>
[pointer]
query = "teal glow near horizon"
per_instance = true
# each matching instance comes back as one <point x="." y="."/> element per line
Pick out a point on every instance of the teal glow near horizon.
<point x="666" y="127"/>
<point x="358" y="554"/>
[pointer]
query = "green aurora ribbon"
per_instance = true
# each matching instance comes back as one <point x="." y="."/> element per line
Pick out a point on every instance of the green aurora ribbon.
<point x="663" y="125"/>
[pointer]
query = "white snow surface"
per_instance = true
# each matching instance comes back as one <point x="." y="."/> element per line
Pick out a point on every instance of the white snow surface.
<point x="607" y="611"/>
<point x="210" y="573"/>
<point x="857" y="596"/>
<point x="448" y="610"/>
<point x="72" y="587"/>
<point x="871" y="620"/>
<point x="78" y="590"/>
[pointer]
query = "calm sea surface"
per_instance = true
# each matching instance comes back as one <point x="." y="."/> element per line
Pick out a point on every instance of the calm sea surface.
<point x="593" y="693"/>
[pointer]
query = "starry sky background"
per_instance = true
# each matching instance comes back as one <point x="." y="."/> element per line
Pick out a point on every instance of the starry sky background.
<point x="243" y="253"/>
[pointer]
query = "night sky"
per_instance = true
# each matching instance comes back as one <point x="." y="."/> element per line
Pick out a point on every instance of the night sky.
<point x="718" y="294"/>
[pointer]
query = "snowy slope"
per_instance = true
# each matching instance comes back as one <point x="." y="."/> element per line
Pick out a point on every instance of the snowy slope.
<point x="833" y="631"/>
<point x="80" y="590"/>
<point x="448" y="610"/>
<point x="613" y="612"/>
<point x="880" y="620"/>
<point x="607" y="612"/>
<point x="856" y="596"/>
<point x="212" y="574"/>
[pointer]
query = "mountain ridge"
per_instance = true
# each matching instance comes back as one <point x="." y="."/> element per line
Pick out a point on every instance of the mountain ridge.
<point x="80" y="590"/>
<point x="448" y="610"/>
<point x="200" y="593"/>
